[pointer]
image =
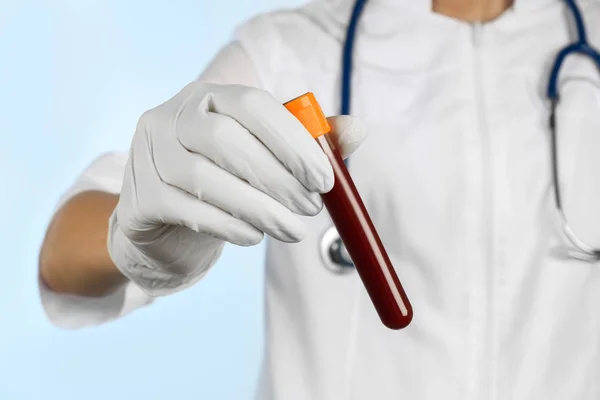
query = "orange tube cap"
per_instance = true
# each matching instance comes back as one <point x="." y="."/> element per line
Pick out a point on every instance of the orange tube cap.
<point x="309" y="113"/>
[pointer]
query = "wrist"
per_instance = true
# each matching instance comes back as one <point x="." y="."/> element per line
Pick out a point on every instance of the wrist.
<point x="152" y="276"/>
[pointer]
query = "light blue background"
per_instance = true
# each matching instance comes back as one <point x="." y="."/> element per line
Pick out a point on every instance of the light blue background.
<point x="74" y="77"/>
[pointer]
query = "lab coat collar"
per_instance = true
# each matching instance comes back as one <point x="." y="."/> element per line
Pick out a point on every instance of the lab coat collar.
<point x="343" y="8"/>
<point x="528" y="5"/>
<point x="426" y="5"/>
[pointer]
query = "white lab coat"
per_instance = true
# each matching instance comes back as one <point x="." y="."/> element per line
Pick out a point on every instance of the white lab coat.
<point x="456" y="176"/>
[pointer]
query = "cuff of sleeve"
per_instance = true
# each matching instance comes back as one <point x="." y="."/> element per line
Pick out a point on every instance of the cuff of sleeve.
<point x="68" y="311"/>
<point x="73" y="312"/>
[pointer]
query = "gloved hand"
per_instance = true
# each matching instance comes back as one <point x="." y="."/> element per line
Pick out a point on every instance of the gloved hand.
<point x="216" y="164"/>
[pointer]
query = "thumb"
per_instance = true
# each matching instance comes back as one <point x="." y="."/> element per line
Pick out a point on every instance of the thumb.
<point x="348" y="133"/>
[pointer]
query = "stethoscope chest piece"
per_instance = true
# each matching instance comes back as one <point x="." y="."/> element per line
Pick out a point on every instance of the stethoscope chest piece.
<point x="334" y="255"/>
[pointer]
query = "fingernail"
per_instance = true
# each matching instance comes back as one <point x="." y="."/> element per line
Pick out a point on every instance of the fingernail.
<point x="308" y="205"/>
<point x="243" y="234"/>
<point x="316" y="204"/>
<point x="326" y="182"/>
<point x="289" y="234"/>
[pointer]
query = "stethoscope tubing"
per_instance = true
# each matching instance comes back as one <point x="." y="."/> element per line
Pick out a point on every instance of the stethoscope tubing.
<point x="332" y="249"/>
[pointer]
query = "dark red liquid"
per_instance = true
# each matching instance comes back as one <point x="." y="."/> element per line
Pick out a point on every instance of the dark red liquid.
<point x="362" y="242"/>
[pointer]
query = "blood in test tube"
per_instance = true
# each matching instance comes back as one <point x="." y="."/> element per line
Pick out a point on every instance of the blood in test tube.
<point x="353" y="223"/>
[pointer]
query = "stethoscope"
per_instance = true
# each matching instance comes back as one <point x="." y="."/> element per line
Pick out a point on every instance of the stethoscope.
<point x="333" y="252"/>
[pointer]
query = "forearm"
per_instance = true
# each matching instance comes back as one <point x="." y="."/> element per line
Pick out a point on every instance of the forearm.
<point x="74" y="258"/>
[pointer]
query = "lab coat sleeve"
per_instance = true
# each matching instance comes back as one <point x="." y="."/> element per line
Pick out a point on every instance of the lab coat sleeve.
<point x="69" y="311"/>
<point x="231" y="66"/>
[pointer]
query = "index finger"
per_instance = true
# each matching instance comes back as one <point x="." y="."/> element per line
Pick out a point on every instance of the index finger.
<point x="273" y="125"/>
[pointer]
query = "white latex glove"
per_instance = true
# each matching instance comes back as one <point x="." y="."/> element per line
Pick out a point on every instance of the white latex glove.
<point x="215" y="164"/>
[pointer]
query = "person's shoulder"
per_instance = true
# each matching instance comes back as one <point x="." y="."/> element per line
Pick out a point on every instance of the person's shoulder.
<point x="294" y="39"/>
<point x="590" y="10"/>
<point x="316" y="20"/>
<point x="590" y="7"/>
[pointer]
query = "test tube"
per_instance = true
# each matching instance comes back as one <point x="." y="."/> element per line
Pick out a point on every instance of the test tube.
<point x="353" y="223"/>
